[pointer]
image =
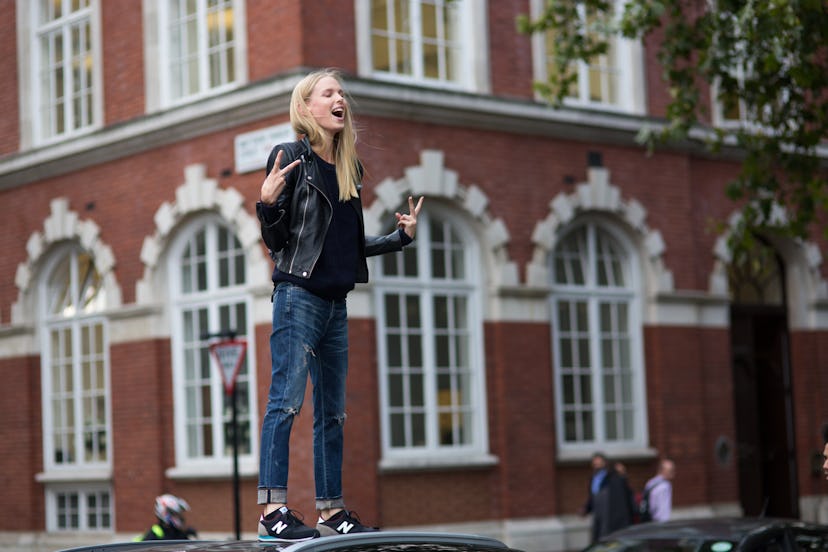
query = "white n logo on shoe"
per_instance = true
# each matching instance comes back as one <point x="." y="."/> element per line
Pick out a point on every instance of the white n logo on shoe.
<point x="344" y="527"/>
<point x="279" y="526"/>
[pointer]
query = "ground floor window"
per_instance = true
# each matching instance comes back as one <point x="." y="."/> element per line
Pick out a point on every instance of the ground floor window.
<point x="79" y="508"/>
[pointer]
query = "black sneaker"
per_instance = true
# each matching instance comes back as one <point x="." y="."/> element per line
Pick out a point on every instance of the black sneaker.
<point x="343" y="523"/>
<point x="284" y="525"/>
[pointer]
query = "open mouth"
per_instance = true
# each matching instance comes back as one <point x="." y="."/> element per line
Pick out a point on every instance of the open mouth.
<point x="338" y="112"/>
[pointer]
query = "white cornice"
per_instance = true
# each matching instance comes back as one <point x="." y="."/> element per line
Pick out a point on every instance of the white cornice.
<point x="265" y="99"/>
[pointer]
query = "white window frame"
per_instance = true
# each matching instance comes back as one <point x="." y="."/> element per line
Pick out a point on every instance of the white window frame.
<point x="472" y="65"/>
<point x="80" y="477"/>
<point x="158" y="54"/>
<point x="425" y="288"/>
<point x="629" y="62"/>
<point x="217" y="464"/>
<point x="30" y="65"/>
<point x="84" y="491"/>
<point x="79" y="468"/>
<point x="593" y="294"/>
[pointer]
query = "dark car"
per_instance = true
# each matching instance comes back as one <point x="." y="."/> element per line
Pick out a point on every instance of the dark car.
<point x="718" y="535"/>
<point x="382" y="541"/>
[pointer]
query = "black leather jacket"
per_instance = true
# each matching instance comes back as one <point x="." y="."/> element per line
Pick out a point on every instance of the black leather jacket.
<point x="294" y="227"/>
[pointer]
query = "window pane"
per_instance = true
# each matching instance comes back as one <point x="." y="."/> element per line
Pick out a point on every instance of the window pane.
<point x="393" y="346"/>
<point x="418" y="430"/>
<point x="397" y="424"/>
<point x="412" y="310"/>
<point x="395" y="390"/>
<point x="415" y="351"/>
<point x="609" y="260"/>
<point x="417" y="389"/>
<point x="570" y="427"/>
<point x="585" y="387"/>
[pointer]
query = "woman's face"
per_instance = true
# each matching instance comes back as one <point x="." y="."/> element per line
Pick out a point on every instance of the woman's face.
<point x="327" y="105"/>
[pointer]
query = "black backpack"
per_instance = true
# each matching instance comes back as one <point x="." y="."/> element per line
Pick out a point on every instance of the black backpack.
<point x="644" y="505"/>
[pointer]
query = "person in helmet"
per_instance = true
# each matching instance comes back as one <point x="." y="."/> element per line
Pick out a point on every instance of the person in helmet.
<point x="169" y="510"/>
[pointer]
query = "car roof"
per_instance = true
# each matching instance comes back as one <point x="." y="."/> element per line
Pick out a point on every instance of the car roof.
<point x="381" y="541"/>
<point x="728" y="528"/>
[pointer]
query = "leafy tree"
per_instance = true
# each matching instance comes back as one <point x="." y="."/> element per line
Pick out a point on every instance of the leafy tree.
<point x="765" y="61"/>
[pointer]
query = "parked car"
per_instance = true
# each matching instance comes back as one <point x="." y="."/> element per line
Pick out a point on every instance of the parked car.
<point x="382" y="541"/>
<point x="717" y="535"/>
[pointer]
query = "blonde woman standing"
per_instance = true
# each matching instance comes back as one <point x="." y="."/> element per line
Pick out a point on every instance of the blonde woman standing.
<point x="311" y="220"/>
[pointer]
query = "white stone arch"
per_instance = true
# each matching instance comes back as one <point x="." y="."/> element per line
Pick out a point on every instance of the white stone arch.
<point x="62" y="225"/>
<point x="430" y="178"/>
<point x="597" y="194"/>
<point x="197" y="194"/>
<point x="806" y="289"/>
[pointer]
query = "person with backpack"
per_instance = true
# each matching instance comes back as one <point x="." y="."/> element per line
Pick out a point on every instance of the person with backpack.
<point x="657" y="499"/>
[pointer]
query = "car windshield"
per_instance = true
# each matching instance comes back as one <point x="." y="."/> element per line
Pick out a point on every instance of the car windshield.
<point x="662" y="545"/>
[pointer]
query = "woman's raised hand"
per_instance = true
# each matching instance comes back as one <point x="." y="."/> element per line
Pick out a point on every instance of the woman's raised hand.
<point x="409" y="222"/>
<point x="275" y="182"/>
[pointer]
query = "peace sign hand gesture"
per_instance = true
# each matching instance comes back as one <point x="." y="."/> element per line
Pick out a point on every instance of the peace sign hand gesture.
<point x="275" y="182"/>
<point x="409" y="222"/>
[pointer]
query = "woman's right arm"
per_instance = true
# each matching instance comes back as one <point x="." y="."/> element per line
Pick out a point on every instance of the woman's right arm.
<point x="273" y="207"/>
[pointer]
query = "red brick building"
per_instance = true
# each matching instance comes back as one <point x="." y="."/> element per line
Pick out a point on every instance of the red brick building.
<point x="566" y="292"/>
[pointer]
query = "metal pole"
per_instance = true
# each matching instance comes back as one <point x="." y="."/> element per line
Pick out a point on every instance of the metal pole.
<point x="236" y="465"/>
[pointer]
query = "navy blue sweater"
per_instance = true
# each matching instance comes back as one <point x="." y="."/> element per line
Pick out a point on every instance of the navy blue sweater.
<point x="335" y="272"/>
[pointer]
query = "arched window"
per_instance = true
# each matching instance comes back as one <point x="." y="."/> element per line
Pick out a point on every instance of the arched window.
<point x="429" y="327"/>
<point x="76" y="396"/>
<point x="596" y="337"/>
<point x="208" y="294"/>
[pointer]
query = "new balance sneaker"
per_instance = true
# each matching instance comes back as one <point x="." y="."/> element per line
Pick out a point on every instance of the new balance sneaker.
<point x="343" y="523"/>
<point x="284" y="525"/>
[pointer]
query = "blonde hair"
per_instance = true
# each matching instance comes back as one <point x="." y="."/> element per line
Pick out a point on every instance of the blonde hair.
<point x="344" y="142"/>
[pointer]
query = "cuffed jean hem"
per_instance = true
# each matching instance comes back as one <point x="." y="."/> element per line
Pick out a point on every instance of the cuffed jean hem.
<point x="272" y="496"/>
<point x="330" y="503"/>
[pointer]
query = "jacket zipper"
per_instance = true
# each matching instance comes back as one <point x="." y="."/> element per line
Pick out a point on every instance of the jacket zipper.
<point x="305" y="216"/>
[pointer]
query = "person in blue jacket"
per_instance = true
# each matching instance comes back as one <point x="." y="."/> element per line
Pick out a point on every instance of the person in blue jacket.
<point x="609" y="498"/>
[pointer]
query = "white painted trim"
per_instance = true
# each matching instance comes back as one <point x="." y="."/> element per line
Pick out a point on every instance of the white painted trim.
<point x="598" y="194"/>
<point x="196" y="194"/>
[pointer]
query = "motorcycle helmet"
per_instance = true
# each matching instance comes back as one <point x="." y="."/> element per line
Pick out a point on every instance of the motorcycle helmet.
<point x="170" y="510"/>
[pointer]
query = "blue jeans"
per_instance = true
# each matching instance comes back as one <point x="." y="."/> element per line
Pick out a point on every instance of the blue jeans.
<point x="310" y="336"/>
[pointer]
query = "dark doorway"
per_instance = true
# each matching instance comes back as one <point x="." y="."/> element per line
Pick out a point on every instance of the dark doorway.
<point x="762" y="386"/>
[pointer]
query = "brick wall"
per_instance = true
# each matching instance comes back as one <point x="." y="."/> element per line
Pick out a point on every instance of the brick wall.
<point x="9" y="92"/>
<point x="21" y="436"/>
<point x="122" y="30"/>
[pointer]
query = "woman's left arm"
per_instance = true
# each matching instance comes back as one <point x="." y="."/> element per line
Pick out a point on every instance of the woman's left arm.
<point x="406" y="224"/>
